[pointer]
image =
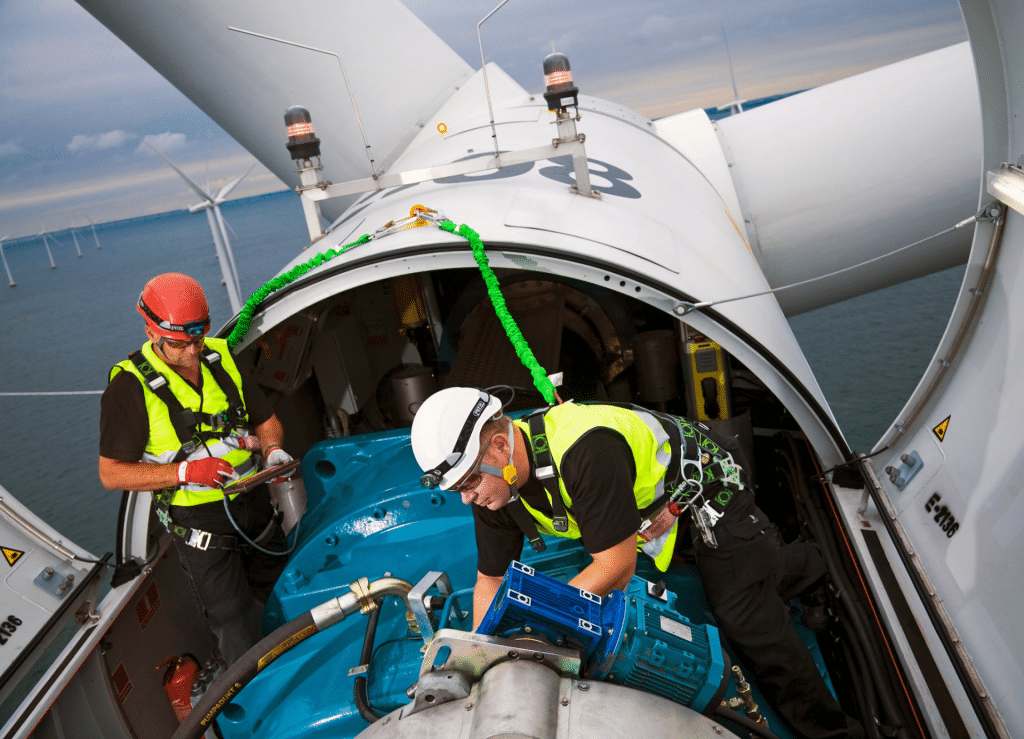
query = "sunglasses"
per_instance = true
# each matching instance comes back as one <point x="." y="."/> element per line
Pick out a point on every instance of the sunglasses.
<point x="181" y="344"/>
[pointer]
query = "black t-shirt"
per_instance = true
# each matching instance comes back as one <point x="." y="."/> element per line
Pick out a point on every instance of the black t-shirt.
<point x="599" y="473"/>
<point x="124" y="422"/>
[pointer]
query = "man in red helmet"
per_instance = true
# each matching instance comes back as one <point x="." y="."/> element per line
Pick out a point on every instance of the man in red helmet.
<point x="181" y="419"/>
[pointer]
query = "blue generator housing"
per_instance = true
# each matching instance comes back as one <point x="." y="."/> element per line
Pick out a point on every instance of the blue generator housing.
<point x="632" y="639"/>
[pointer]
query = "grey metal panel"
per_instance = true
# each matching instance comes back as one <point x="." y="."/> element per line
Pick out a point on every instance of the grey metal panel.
<point x="961" y="515"/>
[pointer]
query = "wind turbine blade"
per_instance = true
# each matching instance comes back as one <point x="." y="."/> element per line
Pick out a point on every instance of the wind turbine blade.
<point x="229" y="227"/>
<point x="227" y="248"/>
<point x="7" y="269"/>
<point x="198" y="190"/>
<point x="227" y="275"/>
<point x="94" y="231"/>
<point x="226" y="190"/>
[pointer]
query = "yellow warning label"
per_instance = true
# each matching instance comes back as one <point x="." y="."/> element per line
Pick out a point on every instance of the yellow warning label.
<point x="11" y="555"/>
<point x="940" y="430"/>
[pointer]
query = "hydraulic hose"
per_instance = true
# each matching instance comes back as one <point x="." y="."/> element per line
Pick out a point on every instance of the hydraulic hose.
<point x="865" y="695"/>
<point x="361" y="597"/>
<point x="741" y="720"/>
<point x="359" y="684"/>
<point x="817" y="524"/>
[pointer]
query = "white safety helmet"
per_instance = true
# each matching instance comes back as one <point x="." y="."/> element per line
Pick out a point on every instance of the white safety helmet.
<point x="446" y="433"/>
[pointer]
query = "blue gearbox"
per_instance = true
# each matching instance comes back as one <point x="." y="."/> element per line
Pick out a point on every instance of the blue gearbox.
<point x="631" y="639"/>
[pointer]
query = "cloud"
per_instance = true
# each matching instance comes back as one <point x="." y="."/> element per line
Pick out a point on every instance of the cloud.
<point x="82" y="143"/>
<point x="165" y="143"/>
<point x="9" y="148"/>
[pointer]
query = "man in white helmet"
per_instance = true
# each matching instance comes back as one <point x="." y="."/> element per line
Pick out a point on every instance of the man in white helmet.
<point x="617" y="478"/>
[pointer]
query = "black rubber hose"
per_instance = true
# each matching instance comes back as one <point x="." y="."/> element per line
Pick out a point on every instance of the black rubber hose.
<point x="241" y="673"/>
<point x="359" y="684"/>
<point x="740" y="720"/>
<point x="847" y="595"/>
<point x="864" y="694"/>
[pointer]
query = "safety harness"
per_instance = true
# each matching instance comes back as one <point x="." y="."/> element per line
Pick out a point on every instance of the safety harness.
<point x="187" y="424"/>
<point x="701" y="475"/>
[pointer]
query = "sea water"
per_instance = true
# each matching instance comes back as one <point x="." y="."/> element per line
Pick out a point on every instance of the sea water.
<point x="62" y="329"/>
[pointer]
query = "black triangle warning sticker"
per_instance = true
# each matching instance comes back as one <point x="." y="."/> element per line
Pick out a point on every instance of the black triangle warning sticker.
<point x="11" y="555"/>
<point x="940" y="430"/>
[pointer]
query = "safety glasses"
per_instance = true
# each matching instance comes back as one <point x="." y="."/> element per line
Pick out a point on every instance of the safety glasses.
<point x="472" y="479"/>
<point x="182" y="344"/>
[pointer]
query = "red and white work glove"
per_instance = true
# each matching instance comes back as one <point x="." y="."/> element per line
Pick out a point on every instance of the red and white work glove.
<point x="213" y="472"/>
<point x="275" y="455"/>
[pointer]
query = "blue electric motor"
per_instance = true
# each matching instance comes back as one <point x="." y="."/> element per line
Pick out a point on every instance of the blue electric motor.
<point x="632" y="640"/>
<point x="530" y="602"/>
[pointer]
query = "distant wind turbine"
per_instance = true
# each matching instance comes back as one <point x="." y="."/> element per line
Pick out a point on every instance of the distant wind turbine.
<point x="4" y="258"/>
<point x="46" y="243"/>
<point x="736" y="105"/>
<point x="97" y="238"/>
<point x="211" y="204"/>
<point x="77" y="247"/>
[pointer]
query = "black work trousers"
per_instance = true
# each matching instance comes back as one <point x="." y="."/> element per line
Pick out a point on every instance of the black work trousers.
<point x="231" y="586"/>
<point x="748" y="581"/>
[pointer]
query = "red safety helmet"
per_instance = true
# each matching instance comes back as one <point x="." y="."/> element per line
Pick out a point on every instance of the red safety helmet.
<point x="175" y="307"/>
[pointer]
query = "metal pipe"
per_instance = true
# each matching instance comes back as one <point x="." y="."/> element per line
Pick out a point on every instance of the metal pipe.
<point x="483" y="68"/>
<point x="946" y="362"/>
<point x="35" y="533"/>
<point x="344" y="75"/>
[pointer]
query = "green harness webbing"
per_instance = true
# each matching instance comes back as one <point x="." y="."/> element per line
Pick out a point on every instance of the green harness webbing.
<point x="186" y="424"/>
<point x="689" y="447"/>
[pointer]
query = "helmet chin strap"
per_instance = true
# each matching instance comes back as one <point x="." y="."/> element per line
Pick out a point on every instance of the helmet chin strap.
<point x="508" y="472"/>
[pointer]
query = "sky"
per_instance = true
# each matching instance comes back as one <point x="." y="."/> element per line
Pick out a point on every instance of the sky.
<point x="76" y="104"/>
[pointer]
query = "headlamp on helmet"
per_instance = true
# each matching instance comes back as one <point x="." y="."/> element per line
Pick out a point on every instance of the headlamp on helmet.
<point x="174" y="306"/>
<point x="458" y="412"/>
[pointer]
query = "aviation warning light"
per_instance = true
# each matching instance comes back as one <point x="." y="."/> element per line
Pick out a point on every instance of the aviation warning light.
<point x="560" y="92"/>
<point x="302" y="142"/>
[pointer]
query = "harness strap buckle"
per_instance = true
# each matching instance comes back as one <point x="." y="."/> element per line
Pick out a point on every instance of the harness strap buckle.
<point x="560" y="524"/>
<point x="199" y="539"/>
<point x="712" y="514"/>
<point x="545" y="473"/>
<point x="192" y="444"/>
